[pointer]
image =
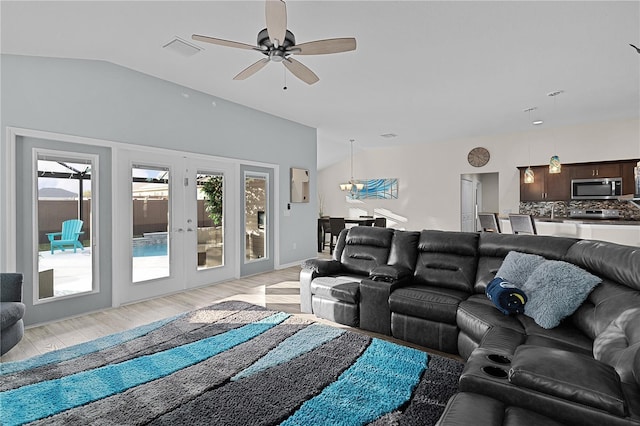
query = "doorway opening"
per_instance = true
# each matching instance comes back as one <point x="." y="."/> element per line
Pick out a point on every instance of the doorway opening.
<point x="479" y="192"/>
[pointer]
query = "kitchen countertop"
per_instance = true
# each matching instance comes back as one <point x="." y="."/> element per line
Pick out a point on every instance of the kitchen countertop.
<point x="560" y="219"/>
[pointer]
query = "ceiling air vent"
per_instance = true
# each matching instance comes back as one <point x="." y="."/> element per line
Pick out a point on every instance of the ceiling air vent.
<point x="181" y="47"/>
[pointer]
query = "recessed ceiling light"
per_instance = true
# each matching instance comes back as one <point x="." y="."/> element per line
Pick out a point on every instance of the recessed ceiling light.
<point x="389" y="135"/>
<point x="182" y="47"/>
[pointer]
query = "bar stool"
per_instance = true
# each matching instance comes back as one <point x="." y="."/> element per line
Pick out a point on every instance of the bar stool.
<point x="522" y="224"/>
<point x="489" y="222"/>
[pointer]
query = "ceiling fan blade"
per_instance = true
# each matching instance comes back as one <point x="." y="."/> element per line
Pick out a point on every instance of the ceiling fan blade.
<point x="222" y="42"/>
<point x="251" y="69"/>
<point x="276" y="14"/>
<point x="300" y="71"/>
<point x="323" y="47"/>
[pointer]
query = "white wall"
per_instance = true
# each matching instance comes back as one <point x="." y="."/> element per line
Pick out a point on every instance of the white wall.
<point x="429" y="175"/>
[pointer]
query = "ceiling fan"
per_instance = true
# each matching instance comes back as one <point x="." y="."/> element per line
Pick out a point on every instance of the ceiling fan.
<point x="277" y="43"/>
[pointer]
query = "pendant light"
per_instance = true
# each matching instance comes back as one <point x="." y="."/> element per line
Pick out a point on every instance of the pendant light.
<point x="352" y="185"/>
<point x="529" y="176"/>
<point x="554" y="163"/>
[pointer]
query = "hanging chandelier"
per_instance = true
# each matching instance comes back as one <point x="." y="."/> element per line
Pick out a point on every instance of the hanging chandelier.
<point x="352" y="185"/>
<point x="554" y="163"/>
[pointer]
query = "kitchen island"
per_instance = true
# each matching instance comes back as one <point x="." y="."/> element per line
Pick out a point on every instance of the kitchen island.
<point x="617" y="231"/>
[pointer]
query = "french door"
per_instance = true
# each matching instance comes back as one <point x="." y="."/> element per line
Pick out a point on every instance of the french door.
<point x="175" y="223"/>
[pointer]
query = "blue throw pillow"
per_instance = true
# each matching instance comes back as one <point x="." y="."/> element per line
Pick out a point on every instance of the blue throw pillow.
<point x="517" y="267"/>
<point x="555" y="290"/>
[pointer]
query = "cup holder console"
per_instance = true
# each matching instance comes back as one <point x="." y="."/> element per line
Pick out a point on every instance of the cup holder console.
<point x="497" y="372"/>
<point x="499" y="359"/>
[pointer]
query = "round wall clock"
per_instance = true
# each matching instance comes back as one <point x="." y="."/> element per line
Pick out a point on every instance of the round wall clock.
<point x="478" y="156"/>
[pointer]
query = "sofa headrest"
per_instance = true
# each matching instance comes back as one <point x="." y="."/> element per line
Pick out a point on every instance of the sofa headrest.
<point x="619" y="346"/>
<point x="499" y="245"/>
<point x="608" y="260"/>
<point x="460" y="243"/>
<point x="404" y="249"/>
<point x="369" y="236"/>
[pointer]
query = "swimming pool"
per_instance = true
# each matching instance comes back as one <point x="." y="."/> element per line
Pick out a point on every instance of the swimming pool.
<point x="151" y="244"/>
<point x="146" y="250"/>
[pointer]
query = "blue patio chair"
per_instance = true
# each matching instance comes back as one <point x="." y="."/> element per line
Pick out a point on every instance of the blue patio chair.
<point x="68" y="236"/>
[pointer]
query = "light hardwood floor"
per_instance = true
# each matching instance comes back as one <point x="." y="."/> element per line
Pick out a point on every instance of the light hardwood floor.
<point x="278" y="290"/>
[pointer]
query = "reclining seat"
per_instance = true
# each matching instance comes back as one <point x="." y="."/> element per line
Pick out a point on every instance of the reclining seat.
<point x="330" y="289"/>
<point x="424" y="311"/>
<point x="478" y="318"/>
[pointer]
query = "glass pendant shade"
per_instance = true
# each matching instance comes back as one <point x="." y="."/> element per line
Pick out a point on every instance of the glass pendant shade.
<point x="345" y="186"/>
<point x="529" y="177"/>
<point x="554" y="165"/>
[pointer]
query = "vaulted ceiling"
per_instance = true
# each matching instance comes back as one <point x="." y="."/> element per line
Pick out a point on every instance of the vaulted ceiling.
<point x="426" y="71"/>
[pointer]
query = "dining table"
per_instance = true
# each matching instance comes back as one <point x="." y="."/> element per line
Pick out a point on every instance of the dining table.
<point x="359" y="221"/>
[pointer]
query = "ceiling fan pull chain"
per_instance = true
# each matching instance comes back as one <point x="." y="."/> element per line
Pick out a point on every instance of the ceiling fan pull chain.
<point x="285" y="78"/>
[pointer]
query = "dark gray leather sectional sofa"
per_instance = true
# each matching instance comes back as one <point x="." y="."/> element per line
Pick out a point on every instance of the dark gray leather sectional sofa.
<point x="11" y="311"/>
<point x="429" y="288"/>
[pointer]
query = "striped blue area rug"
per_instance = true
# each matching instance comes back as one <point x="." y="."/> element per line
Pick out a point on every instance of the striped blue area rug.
<point x="231" y="363"/>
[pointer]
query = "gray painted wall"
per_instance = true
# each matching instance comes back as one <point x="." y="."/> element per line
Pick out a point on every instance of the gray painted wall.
<point x="105" y="101"/>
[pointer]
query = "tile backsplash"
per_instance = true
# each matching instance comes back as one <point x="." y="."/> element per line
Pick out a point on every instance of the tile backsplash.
<point x="543" y="208"/>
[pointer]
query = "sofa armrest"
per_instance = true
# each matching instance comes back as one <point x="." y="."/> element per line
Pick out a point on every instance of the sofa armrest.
<point x="390" y="273"/>
<point x="375" y="314"/>
<point x="570" y="376"/>
<point x="322" y="266"/>
<point x="312" y="268"/>
<point x="10" y="287"/>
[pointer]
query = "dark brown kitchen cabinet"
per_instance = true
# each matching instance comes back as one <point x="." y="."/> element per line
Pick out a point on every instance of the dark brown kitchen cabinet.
<point x="595" y="170"/>
<point x="546" y="186"/>
<point x="628" y="179"/>
<point x="557" y="187"/>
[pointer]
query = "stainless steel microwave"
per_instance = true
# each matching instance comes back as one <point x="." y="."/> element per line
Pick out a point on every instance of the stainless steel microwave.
<point x="596" y="189"/>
